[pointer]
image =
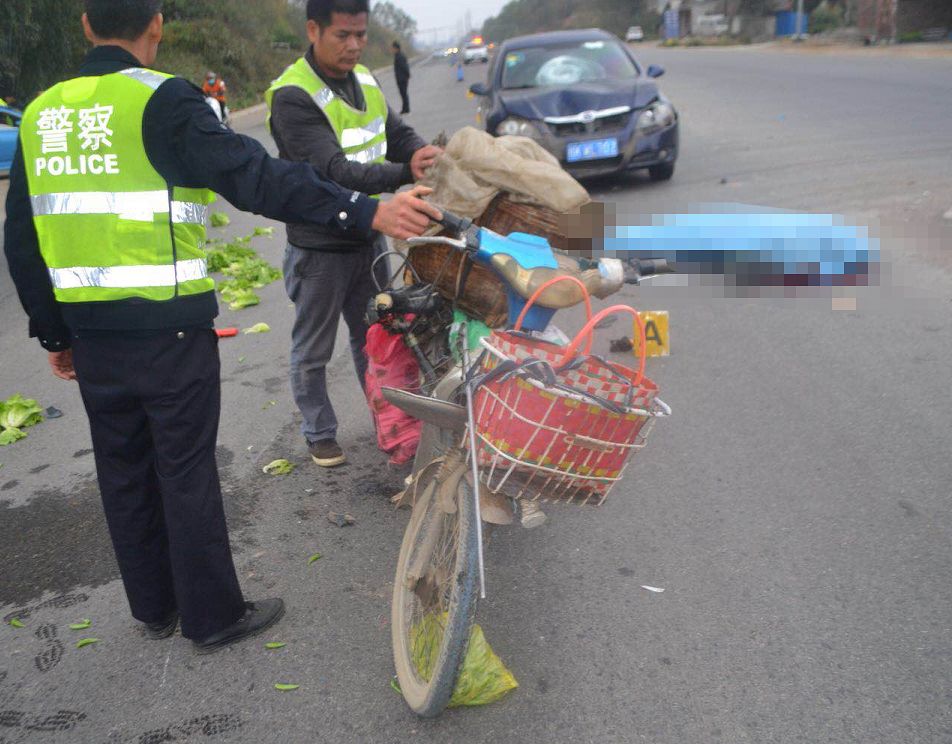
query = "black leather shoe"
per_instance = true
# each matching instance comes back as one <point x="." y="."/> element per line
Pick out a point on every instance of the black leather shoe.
<point x="258" y="616"/>
<point x="163" y="628"/>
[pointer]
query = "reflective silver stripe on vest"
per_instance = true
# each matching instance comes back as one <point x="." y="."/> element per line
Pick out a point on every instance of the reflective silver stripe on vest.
<point x="189" y="213"/>
<point x="125" y="277"/>
<point x="130" y="205"/>
<point x="362" y="135"/>
<point x="369" y="155"/>
<point x="146" y="77"/>
<point x="323" y="97"/>
<point x="364" y="79"/>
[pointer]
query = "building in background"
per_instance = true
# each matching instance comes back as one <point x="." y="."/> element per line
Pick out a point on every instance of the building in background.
<point x="890" y="20"/>
<point x="754" y="19"/>
<point x="873" y="20"/>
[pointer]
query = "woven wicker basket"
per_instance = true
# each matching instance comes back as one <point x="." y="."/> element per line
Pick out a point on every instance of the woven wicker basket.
<point x="505" y="216"/>
<point x="484" y="295"/>
<point x="571" y="232"/>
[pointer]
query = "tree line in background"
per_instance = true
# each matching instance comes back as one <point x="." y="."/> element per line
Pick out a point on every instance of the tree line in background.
<point x="532" y="16"/>
<point x="248" y="42"/>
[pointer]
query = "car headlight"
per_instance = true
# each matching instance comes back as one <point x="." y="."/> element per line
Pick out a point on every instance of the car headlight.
<point x="658" y="115"/>
<point x="520" y="127"/>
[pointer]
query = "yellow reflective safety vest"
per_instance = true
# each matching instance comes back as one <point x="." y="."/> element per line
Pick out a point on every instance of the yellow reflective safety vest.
<point x="362" y="134"/>
<point x="109" y="226"/>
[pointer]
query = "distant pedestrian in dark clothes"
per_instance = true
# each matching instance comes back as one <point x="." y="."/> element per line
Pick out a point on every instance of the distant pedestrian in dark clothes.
<point x="401" y="71"/>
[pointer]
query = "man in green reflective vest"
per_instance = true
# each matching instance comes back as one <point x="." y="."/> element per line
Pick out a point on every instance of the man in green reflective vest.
<point x="104" y="237"/>
<point x="328" y="110"/>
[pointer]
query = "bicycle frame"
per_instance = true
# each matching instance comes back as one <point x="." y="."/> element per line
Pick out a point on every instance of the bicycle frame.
<point x="426" y="586"/>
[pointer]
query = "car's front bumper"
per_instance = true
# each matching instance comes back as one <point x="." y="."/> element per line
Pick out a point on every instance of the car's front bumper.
<point x="635" y="150"/>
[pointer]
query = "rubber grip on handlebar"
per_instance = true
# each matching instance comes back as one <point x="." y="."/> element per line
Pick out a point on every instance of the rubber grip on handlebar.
<point x="649" y="266"/>
<point x="455" y="223"/>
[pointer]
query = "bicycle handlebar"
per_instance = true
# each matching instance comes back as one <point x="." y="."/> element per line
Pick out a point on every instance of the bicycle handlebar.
<point x="635" y="271"/>
<point x="648" y="266"/>
<point x="638" y="268"/>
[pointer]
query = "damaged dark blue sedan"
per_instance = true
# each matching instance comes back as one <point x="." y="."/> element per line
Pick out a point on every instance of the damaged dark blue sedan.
<point x="584" y="98"/>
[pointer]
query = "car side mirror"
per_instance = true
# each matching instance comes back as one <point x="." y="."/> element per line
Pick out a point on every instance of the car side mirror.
<point x="478" y="89"/>
<point x="655" y="71"/>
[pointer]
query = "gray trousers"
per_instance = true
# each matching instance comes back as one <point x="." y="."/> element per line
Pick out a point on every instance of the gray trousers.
<point x="323" y="286"/>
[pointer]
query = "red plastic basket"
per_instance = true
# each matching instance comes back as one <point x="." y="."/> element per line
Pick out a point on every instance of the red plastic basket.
<point x="568" y="433"/>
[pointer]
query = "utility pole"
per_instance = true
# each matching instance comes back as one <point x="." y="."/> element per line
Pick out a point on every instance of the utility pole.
<point x="799" y="21"/>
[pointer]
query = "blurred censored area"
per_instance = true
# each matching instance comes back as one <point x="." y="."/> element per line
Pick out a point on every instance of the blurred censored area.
<point x="741" y="246"/>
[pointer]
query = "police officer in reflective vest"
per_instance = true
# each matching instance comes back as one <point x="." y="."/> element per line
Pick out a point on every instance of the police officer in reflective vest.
<point x="104" y="237"/>
<point x="328" y="110"/>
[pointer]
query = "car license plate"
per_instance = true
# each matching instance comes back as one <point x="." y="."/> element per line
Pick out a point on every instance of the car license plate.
<point x="591" y="150"/>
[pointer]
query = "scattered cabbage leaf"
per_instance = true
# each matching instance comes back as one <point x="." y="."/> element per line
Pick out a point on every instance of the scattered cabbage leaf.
<point x="9" y="436"/>
<point x="257" y="328"/>
<point x="246" y="271"/>
<point x="220" y="219"/>
<point x="278" y="467"/>
<point x="238" y="298"/>
<point x="227" y="254"/>
<point x="17" y="413"/>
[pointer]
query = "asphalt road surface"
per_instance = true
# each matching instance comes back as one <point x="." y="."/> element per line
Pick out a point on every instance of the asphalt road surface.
<point x="794" y="508"/>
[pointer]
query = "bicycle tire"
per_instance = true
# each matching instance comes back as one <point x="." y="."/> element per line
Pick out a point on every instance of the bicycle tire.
<point x="429" y="697"/>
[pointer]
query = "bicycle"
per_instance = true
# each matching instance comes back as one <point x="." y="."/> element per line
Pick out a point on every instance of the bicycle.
<point x="440" y="565"/>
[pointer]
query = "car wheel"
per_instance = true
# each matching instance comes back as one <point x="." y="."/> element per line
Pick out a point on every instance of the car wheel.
<point x="661" y="172"/>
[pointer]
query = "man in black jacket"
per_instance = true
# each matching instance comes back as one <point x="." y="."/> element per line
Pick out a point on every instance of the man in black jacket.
<point x="327" y="271"/>
<point x="401" y="71"/>
<point x="148" y="369"/>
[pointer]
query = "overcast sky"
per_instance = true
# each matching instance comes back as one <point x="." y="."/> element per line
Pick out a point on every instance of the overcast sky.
<point x="431" y="14"/>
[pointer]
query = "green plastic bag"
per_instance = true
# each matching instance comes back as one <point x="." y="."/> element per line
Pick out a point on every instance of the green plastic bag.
<point x="483" y="678"/>
<point x="475" y="330"/>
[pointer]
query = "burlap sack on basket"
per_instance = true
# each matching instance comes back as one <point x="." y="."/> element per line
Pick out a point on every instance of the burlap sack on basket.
<point x="476" y="166"/>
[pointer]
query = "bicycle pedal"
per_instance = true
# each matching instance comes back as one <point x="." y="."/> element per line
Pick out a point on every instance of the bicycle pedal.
<point x="531" y="515"/>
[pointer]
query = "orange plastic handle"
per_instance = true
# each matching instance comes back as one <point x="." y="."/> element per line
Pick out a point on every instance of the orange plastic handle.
<point x="549" y="283"/>
<point x="572" y="349"/>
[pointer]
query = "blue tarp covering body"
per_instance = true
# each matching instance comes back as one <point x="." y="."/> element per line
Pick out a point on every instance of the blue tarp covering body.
<point x="768" y="248"/>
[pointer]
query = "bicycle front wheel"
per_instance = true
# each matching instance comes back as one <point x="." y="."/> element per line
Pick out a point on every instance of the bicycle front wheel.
<point x="434" y="595"/>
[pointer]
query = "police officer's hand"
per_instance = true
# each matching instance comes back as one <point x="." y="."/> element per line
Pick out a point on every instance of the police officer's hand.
<point x="406" y="215"/>
<point x="423" y="159"/>
<point x="61" y="362"/>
